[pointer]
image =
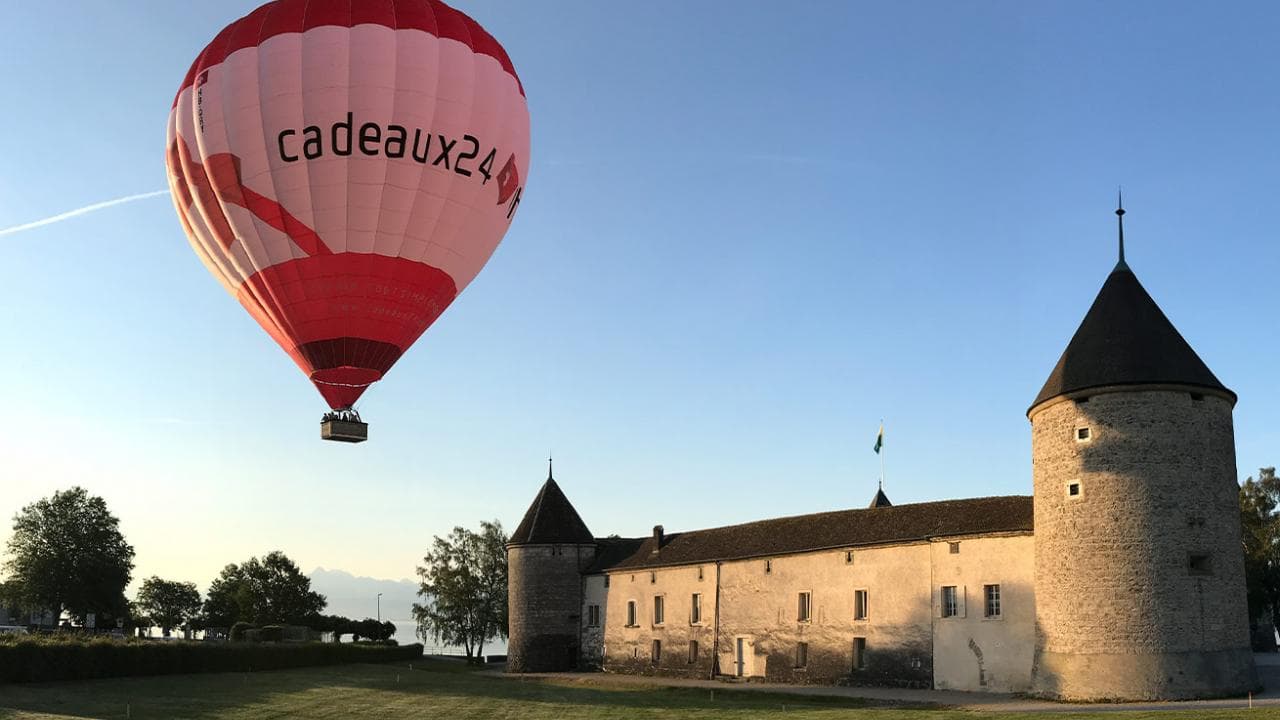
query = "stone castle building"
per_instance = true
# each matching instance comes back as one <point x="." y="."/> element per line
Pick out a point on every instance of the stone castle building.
<point x="1121" y="577"/>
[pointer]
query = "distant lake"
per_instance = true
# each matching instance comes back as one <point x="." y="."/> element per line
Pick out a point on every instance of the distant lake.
<point x="406" y="634"/>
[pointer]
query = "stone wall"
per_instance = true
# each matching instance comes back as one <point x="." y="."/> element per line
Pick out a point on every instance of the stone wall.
<point x="1121" y="612"/>
<point x="544" y="595"/>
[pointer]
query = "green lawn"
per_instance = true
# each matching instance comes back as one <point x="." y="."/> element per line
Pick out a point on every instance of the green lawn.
<point x="447" y="690"/>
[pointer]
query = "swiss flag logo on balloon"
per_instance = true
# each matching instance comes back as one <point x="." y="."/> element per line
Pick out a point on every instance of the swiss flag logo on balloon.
<point x="508" y="180"/>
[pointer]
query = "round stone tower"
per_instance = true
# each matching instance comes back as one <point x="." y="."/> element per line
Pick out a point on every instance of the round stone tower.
<point x="545" y="559"/>
<point x="1139" y="577"/>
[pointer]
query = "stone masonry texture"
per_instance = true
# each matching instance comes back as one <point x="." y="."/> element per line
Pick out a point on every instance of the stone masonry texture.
<point x="544" y="595"/>
<point x="1120" y="612"/>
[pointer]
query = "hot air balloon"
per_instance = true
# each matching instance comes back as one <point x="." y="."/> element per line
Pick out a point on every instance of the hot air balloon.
<point x="344" y="168"/>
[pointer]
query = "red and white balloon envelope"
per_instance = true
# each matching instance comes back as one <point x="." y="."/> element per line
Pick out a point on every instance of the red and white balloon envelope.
<point x="345" y="168"/>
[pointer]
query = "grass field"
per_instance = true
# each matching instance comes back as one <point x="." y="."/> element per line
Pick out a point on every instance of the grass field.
<point x="449" y="690"/>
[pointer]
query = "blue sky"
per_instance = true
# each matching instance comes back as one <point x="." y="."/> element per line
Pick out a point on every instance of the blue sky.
<point x="750" y="231"/>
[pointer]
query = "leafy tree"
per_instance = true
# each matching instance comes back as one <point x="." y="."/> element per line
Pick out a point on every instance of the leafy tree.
<point x="371" y="629"/>
<point x="67" y="553"/>
<point x="270" y="590"/>
<point x="168" y="603"/>
<point x="464" y="588"/>
<point x="1260" y="523"/>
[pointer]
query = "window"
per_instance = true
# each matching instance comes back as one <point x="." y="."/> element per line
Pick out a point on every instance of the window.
<point x="653" y="578"/>
<point x="859" y="653"/>
<point x="803" y="607"/>
<point x="606" y="581"/>
<point x="1199" y="564"/>
<point x="860" y="609"/>
<point x="848" y="557"/>
<point x="950" y="608"/>
<point x="1074" y="489"/>
<point x="768" y="566"/>
<point x="593" y="616"/>
<point x="1083" y="434"/>
<point x="631" y="613"/>
<point x="1196" y="397"/>
<point x="658" y="610"/>
<point x="991" y="605"/>
<point x="953" y="548"/>
<point x="656" y="653"/>
<point x="695" y="609"/>
<point x="693" y="651"/>
<point x="802" y="654"/>
<point x="699" y="572"/>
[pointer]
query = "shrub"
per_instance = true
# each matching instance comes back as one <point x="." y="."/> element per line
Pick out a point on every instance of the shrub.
<point x="271" y="633"/>
<point x="46" y="658"/>
<point x="238" y="631"/>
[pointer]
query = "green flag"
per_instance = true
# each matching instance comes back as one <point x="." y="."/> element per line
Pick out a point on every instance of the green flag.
<point x="879" y="439"/>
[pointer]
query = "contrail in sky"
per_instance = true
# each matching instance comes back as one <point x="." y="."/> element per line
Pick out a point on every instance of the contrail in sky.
<point x="81" y="211"/>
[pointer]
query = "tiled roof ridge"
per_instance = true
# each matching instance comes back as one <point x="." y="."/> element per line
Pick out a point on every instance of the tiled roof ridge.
<point x="837" y="512"/>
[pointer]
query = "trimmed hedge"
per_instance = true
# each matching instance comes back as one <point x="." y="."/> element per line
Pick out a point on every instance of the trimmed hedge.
<point x="36" y="659"/>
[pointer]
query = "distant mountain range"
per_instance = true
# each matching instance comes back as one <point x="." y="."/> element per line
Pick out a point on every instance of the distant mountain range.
<point x="356" y="597"/>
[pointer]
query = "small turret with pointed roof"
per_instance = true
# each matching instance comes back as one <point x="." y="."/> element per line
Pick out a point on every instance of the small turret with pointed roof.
<point x="880" y="500"/>
<point x="545" y="558"/>
<point x="551" y="519"/>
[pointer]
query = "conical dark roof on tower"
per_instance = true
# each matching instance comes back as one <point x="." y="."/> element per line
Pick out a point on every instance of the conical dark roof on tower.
<point x="551" y="519"/>
<point x="1126" y="339"/>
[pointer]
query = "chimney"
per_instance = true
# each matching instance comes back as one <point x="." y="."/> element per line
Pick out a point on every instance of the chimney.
<point x="657" y="538"/>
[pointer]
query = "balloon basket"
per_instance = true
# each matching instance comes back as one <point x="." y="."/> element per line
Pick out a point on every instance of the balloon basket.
<point x="343" y="427"/>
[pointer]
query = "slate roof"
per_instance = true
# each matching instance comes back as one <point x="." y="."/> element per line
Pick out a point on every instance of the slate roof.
<point x="551" y="519"/>
<point x="1125" y="339"/>
<point x="820" y="531"/>
<point x="880" y="500"/>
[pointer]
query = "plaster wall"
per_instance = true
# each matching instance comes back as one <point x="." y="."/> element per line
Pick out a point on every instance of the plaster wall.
<point x="761" y="607"/>
<point x="760" y="600"/>
<point x="972" y="651"/>
<point x="594" y="593"/>
<point x="629" y="648"/>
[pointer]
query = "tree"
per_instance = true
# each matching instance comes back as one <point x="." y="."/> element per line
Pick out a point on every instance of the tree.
<point x="67" y="553"/>
<point x="464" y="588"/>
<point x="168" y="603"/>
<point x="270" y="590"/>
<point x="1260" y="525"/>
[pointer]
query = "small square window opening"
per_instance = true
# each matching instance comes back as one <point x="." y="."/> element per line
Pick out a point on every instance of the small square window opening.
<point x="1200" y="564"/>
